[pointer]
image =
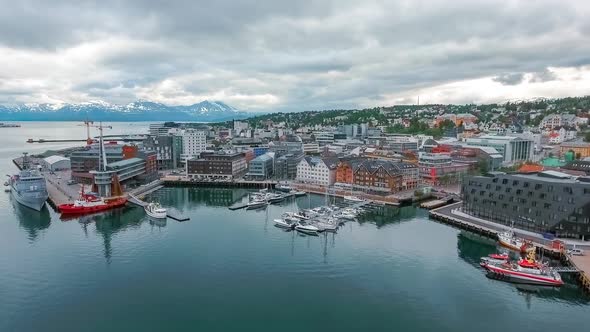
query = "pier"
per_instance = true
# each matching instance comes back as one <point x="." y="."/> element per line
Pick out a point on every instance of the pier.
<point x="136" y="197"/>
<point x="451" y="215"/>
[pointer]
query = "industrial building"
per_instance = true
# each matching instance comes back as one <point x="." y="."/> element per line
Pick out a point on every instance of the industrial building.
<point x="56" y="163"/>
<point x="548" y="201"/>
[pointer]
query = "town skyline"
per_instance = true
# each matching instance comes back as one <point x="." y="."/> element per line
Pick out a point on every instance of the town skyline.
<point x="266" y="56"/>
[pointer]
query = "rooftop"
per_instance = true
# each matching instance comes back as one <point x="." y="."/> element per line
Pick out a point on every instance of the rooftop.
<point x="125" y="163"/>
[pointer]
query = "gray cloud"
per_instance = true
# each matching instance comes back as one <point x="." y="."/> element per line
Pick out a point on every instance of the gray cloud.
<point x="542" y="76"/>
<point x="278" y="55"/>
<point x="510" y="79"/>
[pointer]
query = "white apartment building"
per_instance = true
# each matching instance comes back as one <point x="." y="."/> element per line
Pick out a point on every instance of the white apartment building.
<point x="194" y="141"/>
<point x="317" y="171"/>
<point x="311" y="147"/>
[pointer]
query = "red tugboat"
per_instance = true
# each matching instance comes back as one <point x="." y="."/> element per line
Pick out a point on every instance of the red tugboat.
<point x="91" y="203"/>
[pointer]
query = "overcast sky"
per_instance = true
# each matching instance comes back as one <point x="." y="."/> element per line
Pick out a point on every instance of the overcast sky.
<point x="273" y="55"/>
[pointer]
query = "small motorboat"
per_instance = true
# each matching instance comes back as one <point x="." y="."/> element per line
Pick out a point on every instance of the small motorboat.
<point x="307" y="229"/>
<point x="285" y="223"/>
<point x="155" y="210"/>
<point x="494" y="259"/>
<point x="275" y="198"/>
<point x="328" y="225"/>
<point x="353" y="199"/>
<point x="298" y="193"/>
<point x="283" y="187"/>
<point x="525" y="271"/>
<point x="256" y="204"/>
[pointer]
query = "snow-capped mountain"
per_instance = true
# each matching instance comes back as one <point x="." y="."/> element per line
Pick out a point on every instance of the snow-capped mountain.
<point x="141" y="110"/>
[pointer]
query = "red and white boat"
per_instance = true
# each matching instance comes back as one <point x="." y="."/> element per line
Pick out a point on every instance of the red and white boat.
<point x="526" y="271"/>
<point x="494" y="259"/>
<point x="91" y="203"/>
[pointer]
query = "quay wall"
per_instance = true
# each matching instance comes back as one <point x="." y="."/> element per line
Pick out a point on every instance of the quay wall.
<point x="442" y="215"/>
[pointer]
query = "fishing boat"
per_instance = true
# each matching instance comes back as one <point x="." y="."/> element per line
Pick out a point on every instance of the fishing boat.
<point x="91" y="203"/>
<point x="525" y="271"/>
<point x="154" y="210"/>
<point x="351" y="198"/>
<point x="307" y="229"/>
<point x="509" y="240"/>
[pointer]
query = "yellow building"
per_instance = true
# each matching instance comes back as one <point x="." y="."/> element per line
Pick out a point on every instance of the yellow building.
<point x="583" y="149"/>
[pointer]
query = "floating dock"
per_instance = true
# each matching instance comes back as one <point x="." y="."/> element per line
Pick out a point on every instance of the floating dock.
<point x="571" y="264"/>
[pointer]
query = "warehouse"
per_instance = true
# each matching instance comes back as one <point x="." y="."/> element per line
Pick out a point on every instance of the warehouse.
<point x="56" y="163"/>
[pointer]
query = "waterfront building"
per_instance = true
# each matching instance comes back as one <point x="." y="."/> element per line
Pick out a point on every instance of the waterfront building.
<point x="548" y="201"/>
<point x="438" y="168"/>
<point x="317" y="170"/>
<point x="56" y="163"/>
<point x="165" y="148"/>
<point x="87" y="159"/>
<point x="382" y="174"/>
<point x="217" y="165"/>
<point x="580" y="150"/>
<point x="261" y="167"/>
<point x="286" y="166"/>
<point x="513" y="149"/>
<point x="194" y="142"/>
<point x="124" y="170"/>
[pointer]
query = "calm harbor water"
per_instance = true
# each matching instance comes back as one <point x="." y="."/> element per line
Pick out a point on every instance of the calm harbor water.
<point x="233" y="270"/>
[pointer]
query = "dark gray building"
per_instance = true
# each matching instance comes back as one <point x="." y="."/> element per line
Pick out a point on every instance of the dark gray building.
<point x="549" y="201"/>
<point x="288" y="154"/>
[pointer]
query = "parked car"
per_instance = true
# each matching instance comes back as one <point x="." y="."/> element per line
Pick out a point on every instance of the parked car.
<point x="71" y="182"/>
<point x="576" y="252"/>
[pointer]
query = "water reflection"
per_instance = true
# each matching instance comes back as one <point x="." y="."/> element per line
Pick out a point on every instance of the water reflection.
<point x="33" y="222"/>
<point x="384" y="215"/>
<point x="471" y="247"/>
<point x="187" y="198"/>
<point x="108" y="223"/>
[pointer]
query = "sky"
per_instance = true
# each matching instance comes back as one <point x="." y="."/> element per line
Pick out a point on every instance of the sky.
<point x="273" y="55"/>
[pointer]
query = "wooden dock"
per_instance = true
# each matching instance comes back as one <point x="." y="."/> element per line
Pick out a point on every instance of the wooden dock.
<point x="573" y="264"/>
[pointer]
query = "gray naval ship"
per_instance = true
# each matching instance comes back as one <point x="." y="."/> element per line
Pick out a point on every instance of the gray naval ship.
<point x="28" y="187"/>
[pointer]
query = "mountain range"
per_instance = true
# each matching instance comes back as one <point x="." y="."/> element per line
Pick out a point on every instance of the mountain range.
<point x="141" y="110"/>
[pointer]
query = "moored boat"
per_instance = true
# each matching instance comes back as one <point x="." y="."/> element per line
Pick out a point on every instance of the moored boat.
<point x="494" y="259"/>
<point x="285" y="223"/>
<point x="155" y="210"/>
<point x="351" y="198"/>
<point x="509" y="240"/>
<point x="307" y="229"/>
<point x="256" y="204"/>
<point x="525" y="271"/>
<point x="89" y="203"/>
